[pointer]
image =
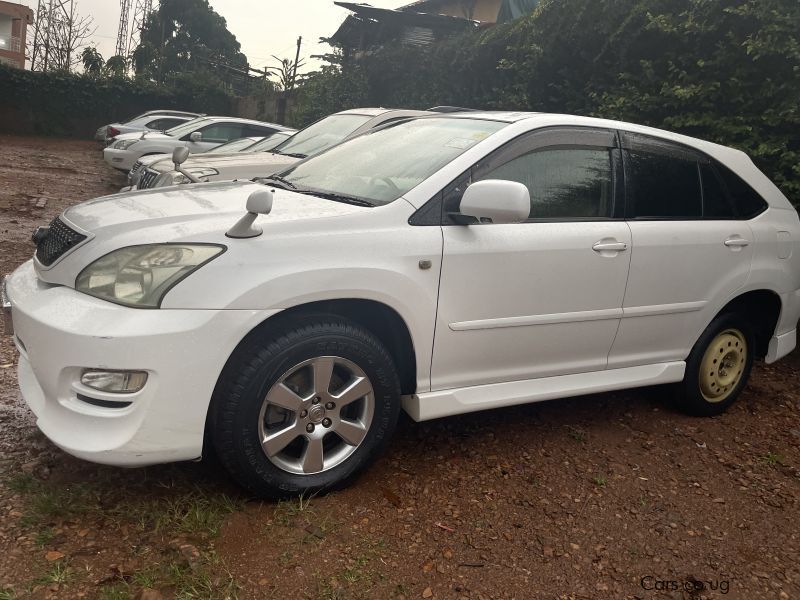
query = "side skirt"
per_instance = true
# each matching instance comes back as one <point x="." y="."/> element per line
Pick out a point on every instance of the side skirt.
<point x="444" y="403"/>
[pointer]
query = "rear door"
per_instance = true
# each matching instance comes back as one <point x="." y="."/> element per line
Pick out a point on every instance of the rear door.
<point x="689" y="250"/>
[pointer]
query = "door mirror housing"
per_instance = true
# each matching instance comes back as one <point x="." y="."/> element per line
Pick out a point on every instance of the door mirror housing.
<point x="195" y="136"/>
<point x="497" y="200"/>
<point x="179" y="156"/>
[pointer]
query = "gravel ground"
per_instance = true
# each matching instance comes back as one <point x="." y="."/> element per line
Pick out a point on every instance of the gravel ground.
<point x="607" y="496"/>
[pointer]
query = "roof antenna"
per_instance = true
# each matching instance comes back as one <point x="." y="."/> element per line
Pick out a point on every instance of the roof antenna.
<point x="258" y="203"/>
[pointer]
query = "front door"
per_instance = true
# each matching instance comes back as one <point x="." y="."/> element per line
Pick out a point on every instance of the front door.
<point x="542" y="297"/>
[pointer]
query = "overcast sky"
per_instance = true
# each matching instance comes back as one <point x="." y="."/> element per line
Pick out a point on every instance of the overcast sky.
<point x="263" y="27"/>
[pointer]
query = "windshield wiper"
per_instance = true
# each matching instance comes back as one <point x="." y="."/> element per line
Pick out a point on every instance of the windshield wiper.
<point x="285" y="183"/>
<point x="294" y="154"/>
<point x="339" y="198"/>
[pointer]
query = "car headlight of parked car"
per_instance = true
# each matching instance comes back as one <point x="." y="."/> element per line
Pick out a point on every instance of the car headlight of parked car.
<point x="140" y="276"/>
<point x="175" y="178"/>
<point x="124" y="144"/>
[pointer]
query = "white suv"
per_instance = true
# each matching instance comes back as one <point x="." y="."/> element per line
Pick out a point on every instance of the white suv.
<point x="447" y="264"/>
<point x="198" y="135"/>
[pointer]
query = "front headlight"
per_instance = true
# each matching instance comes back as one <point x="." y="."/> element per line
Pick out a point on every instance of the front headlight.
<point x="124" y="144"/>
<point x="176" y="178"/>
<point x="140" y="276"/>
<point x="169" y="178"/>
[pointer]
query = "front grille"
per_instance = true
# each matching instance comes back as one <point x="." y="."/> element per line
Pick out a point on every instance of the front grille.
<point x="147" y="179"/>
<point x="56" y="242"/>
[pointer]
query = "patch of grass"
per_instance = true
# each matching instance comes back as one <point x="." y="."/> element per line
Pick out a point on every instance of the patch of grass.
<point x="577" y="434"/>
<point x="195" y="513"/>
<point x="208" y="579"/>
<point x="44" y="537"/>
<point x="7" y="594"/>
<point x="46" y="502"/>
<point x="287" y="511"/>
<point x="599" y="481"/>
<point x="202" y="583"/>
<point x="22" y="483"/>
<point x="59" y="573"/>
<point x="772" y="459"/>
<point x="116" y="592"/>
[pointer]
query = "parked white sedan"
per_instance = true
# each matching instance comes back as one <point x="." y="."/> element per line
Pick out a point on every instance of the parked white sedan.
<point x="266" y="160"/>
<point x="147" y="164"/>
<point x="153" y="120"/>
<point x="198" y="135"/>
<point x="444" y="265"/>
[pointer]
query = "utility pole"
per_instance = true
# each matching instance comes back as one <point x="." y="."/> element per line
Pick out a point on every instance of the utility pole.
<point x="283" y="98"/>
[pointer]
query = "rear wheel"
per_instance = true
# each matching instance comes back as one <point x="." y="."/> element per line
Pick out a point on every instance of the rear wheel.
<point x="718" y="367"/>
<point x="305" y="410"/>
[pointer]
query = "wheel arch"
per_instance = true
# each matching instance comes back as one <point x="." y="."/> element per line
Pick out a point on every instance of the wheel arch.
<point x="762" y="308"/>
<point x="380" y="319"/>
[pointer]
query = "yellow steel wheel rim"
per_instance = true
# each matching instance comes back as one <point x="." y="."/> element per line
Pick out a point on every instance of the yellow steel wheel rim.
<point x="723" y="365"/>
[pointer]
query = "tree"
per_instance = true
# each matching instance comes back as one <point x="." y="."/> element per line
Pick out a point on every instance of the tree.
<point x="92" y="61"/>
<point x="183" y="36"/>
<point x="117" y="66"/>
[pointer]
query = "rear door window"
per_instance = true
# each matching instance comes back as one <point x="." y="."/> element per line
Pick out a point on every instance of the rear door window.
<point x="663" y="184"/>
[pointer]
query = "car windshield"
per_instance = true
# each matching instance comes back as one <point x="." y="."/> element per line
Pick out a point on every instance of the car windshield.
<point x="270" y="142"/>
<point x="188" y="127"/>
<point x="322" y="135"/>
<point x="380" y="167"/>
<point x="234" y="146"/>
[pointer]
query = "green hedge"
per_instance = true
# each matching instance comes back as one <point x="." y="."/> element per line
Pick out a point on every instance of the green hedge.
<point x="68" y="104"/>
<point x="723" y="70"/>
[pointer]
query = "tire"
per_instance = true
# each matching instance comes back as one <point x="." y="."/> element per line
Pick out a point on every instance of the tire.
<point x="718" y="366"/>
<point x="277" y="386"/>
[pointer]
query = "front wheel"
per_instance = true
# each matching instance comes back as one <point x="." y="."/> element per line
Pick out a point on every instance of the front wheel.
<point x="305" y="410"/>
<point x="718" y="367"/>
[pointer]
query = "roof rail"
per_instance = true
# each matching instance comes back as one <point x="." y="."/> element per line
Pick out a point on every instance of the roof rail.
<point x="451" y="109"/>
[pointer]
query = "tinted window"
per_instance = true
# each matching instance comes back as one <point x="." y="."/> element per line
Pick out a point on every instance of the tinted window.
<point x="258" y="131"/>
<point x="716" y="204"/>
<point x="664" y="186"/>
<point x="747" y="201"/>
<point x="563" y="182"/>
<point x="222" y="132"/>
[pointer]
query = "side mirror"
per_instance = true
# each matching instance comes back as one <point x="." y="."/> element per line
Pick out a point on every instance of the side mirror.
<point x="179" y="156"/>
<point x="195" y="136"/>
<point x="497" y="200"/>
<point x="258" y="203"/>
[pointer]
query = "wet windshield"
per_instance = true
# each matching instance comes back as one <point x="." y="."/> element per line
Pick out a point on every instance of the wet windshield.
<point x="234" y="146"/>
<point x="380" y="167"/>
<point x="322" y="135"/>
<point x="271" y="142"/>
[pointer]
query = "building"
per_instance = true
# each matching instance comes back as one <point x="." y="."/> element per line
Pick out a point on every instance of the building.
<point x="14" y="21"/>
<point x="485" y="11"/>
<point x="420" y="23"/>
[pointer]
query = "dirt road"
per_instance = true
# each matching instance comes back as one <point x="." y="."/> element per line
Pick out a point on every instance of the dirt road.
<point x="608" y="496"/>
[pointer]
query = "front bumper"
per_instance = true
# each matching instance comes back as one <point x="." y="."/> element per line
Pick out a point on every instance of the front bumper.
<point x="59" y="332"/>
<point x="119" y="159"/>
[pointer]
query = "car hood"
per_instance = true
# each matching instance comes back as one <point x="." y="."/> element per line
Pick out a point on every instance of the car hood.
<point x="178" y="206"/>
<point x="268" y="161"/>
<point x="138" y="134"/>
<point x="200" y="213"/>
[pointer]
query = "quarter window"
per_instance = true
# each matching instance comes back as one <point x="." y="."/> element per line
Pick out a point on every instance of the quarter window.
<point x="716" y="204"/>
<point x="664" y="186"/>
<point x="748" y="202"/>
<point x="564" y="182"/>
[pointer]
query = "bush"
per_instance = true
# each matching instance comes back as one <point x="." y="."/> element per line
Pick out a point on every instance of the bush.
<point x="723" y="70"/>
<point x="57" y="103"/>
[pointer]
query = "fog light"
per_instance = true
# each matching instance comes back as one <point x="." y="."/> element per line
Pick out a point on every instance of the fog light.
<point x="115" y="382"/>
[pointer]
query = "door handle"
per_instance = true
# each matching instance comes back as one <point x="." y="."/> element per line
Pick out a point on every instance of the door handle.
<point x="610" y="247"/>
<point x="736" y="242"/>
